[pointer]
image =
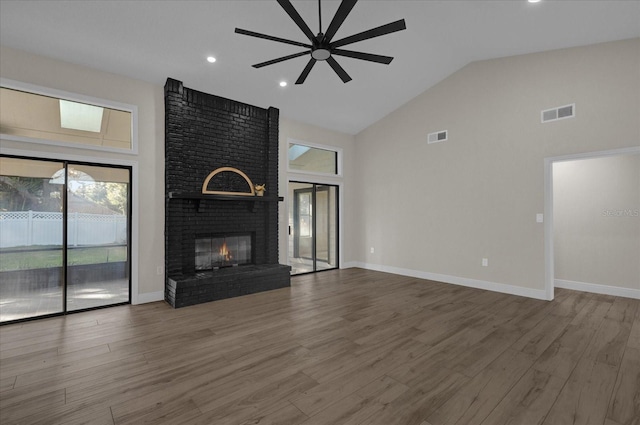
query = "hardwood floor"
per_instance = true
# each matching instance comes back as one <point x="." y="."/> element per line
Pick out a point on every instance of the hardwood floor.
<point x="340" y="347"/>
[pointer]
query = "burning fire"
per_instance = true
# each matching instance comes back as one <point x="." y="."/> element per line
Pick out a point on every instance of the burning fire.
<point x="225" y="253"/>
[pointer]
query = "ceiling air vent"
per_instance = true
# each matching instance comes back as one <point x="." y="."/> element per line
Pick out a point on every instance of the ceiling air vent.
<point x="560" y="113"/>
<point x="438" y="136"/>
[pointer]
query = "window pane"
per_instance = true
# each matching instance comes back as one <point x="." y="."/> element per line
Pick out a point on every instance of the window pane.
<point x="97" y="236"/>
<point x="305" y="158"/>
<point x="30" y="238"/>
<point x="326" y="227"/>
<point x="48" y="118"/>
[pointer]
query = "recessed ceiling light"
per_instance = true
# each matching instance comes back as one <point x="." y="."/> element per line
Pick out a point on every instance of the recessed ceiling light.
<point x="533" y="1"/>
<point x="283" y="84"/>
<point x="211" y="59"/>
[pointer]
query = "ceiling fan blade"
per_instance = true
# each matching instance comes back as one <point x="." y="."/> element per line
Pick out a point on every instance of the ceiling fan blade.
<point x="338" y="69"/>
<point x="284" y="58"/>
<point x="293" y="13"/>
<point x="306" y="71"/>
<point x="375" y="32"/>
<point x="269" y="37"/>
<point x="343" y="10"/>
<point x="364" y="56"/>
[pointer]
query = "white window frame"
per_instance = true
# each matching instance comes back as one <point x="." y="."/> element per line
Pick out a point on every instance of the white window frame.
<point x="338" y="152"/>
<point x="74" y="97"/>
<point x="318" y="178"/>
<point x="134" y="197"/>
<point x="88" y="156"/>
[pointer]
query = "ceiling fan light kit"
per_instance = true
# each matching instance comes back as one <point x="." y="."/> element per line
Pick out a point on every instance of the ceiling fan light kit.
<point x="322" y="47"/>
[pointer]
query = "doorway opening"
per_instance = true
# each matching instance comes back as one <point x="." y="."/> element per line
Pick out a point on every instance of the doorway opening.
<point x="592" y="224"/>
<point x="65" y="237"/>
<point x="313" y="227"/>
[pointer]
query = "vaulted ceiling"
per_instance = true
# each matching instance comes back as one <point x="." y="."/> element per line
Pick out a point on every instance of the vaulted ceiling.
<point x="153" y="40"/>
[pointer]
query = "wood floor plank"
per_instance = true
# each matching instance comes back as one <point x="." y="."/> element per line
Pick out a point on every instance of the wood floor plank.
<point x="97" y="414"/>
<point x="473" y="403"/>
<point x="623" y="310"/>
<point x="634" y="337"/>
<point x="538" y="339"/>
<point x="159" y="413"/>
<point x="380" y="361"/>
<point x="478" y="357"/>
<point x="528" y="401"/>
<point x="79" y="369"/>
<point x="40" y="368"/>
<point x="594" y="312"/>
<point x="421" y="399"/>
<point x="624" y="407"/>
<point x="564" y="353"/>
<point x="358" y="407"/>
<point x="440" y="326"/>
<point x="15" y="408"/>
<point x="340" y="347"/>
<point x="438" y="356"/>
<point x="585" y="397"/>
<point x="571" y="305"/>
<point x="258" y="393"/>
<point x="285" y="414"/>
<point x="7" y="382"/>
<point x="609" y="342"/>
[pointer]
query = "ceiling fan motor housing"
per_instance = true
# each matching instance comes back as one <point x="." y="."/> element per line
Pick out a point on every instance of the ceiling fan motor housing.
<point x="321" y="49"/>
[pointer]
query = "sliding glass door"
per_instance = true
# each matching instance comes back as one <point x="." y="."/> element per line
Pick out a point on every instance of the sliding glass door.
<point x="31" y="239"/>
<point x="64" y="237"/>
<point x="97" y="236"/>
<point x="313" y="227"/>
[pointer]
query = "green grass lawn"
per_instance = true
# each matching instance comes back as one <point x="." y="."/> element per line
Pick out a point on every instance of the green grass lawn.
<point x="48" y="257"/>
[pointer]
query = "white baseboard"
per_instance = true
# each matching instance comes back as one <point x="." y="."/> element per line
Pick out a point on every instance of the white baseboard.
<point x="148" y="297"/>
<point x="615" y="291"/>
<point x="538" y="294"/>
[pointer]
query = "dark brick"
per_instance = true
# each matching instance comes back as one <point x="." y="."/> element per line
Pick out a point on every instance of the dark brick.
<point x="202" y="133"/>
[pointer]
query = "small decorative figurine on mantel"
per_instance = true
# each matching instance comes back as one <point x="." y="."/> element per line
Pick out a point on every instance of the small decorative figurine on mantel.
<point x="260" y="188"/>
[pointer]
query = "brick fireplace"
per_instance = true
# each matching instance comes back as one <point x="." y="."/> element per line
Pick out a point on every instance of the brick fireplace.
<point x="205" y="134"/>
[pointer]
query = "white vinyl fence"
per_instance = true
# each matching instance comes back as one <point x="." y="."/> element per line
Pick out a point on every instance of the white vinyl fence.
<point x="26" y="228"/>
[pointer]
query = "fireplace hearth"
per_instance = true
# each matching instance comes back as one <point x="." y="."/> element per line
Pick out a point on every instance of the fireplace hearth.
<point x="221" y="241"/>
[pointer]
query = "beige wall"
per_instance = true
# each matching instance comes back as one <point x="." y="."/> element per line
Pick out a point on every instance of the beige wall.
<point x="301" y="132"/>
<point x="20" y="66"/>
<point x="435" y="208"/>
<point x="27" y="68"/>
<point x="441" y="208"/>
<point x="596" y="221"/>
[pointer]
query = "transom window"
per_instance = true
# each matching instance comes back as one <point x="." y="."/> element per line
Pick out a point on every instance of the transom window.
<point x="33" y="117"/>
<point x="315" y="160"/>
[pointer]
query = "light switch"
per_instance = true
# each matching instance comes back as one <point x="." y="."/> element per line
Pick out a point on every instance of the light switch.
<point x="539" y="218"/>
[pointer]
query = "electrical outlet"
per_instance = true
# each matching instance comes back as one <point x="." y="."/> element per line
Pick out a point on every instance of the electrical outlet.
<point x="485" y="262"/>
<point x="159" y="270"/>
<point x="372" y="250"/>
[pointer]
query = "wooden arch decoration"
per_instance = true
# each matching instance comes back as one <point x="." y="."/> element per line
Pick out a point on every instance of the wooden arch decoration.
<point x="205" y="191"/>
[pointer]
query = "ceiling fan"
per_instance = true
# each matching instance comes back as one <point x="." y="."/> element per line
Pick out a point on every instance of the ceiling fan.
<point x="322" y="47"/>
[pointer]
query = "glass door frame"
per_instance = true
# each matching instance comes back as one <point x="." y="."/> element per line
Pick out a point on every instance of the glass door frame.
<point x="314" y="189"/>
<point x="64" y="194"/>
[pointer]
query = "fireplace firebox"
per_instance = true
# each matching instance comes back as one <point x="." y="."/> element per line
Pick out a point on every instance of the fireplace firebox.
<point x="218" y="251"/>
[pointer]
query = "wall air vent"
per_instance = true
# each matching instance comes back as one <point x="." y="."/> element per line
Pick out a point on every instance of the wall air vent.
<point x="438" y="136"/>
<point x="559" y="113"/>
